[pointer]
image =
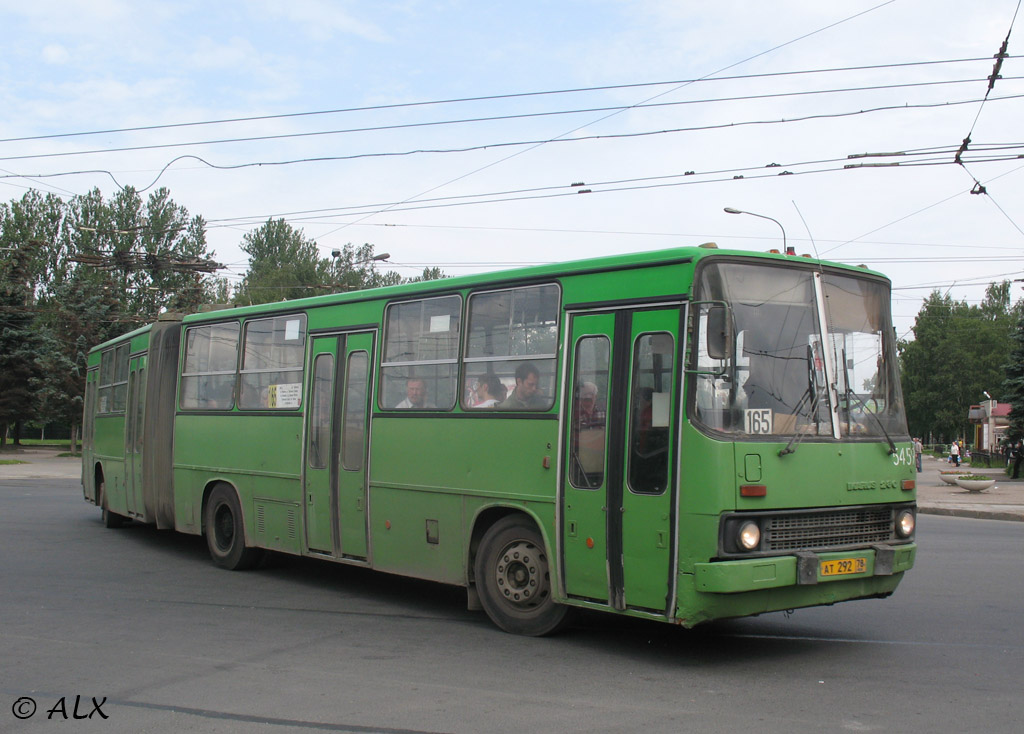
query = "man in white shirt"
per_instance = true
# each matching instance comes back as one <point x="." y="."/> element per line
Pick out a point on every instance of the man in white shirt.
<point x="415" y="395"/>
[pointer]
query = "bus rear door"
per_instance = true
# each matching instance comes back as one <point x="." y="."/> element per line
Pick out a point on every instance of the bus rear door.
<point x="133" y="423"/>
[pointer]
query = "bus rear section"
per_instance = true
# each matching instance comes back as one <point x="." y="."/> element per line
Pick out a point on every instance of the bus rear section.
<point x="128" y="423"/>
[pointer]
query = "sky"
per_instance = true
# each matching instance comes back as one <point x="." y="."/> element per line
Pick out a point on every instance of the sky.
<point x="476" y="136"/>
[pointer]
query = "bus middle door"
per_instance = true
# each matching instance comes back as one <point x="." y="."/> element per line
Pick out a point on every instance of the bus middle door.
<point x="319" y="496"/>
<point x="336" y="445"/>
<point x="353" y="416"/>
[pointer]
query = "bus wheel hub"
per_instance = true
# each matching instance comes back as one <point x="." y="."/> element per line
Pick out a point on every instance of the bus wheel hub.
<point x="518" y="574"/>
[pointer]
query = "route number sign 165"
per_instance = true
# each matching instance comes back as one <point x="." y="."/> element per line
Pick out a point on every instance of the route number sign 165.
<point x="758" y="420"/>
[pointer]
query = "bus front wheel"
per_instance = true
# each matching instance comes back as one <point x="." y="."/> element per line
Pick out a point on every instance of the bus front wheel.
<point x="225" y="531"/>
<point x="513" y="579"/>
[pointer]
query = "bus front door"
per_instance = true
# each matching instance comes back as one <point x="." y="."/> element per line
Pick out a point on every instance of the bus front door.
<point x="336" y="445"/>
<point x="618" y="477"/>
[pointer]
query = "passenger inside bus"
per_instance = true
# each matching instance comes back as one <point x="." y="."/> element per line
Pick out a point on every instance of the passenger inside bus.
<point x="489" y="391"/>
<point x="415" y="395"/>
<point x="588" y="438"/>
<point x="526" y="395"/>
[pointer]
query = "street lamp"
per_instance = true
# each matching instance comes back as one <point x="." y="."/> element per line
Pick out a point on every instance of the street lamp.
<point x="337" y="264"/>
<point x="785" y="247"/>
<point x="376" y="258"/>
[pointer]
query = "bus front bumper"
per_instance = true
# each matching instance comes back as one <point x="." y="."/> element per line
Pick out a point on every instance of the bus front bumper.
<point x="802" y="569"/>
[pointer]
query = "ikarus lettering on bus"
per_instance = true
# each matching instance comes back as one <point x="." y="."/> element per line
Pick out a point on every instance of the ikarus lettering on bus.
<point x="877" y="484"/>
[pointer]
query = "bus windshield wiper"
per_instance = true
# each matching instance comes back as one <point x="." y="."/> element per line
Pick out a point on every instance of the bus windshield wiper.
<point x="810" y="396"/>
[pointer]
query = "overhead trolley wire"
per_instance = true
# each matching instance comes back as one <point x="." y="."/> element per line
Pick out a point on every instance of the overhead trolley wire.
<point x="938" y="154"/>
<point x="491" y="118"/>
<point x="485" y="146"/>
<point x="493" y="97"/>
<point x="417" y="205"/>
<point x="980" y="189"/>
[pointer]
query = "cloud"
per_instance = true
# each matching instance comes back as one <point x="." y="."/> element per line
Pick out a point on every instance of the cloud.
<point x="323" y="20"/>
<point x="234" y="53"/>
<point x="55" y="54"/>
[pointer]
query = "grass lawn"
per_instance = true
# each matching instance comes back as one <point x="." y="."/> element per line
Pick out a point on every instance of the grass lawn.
<point x="57" y="443"/>
<point x="12" y="461"/>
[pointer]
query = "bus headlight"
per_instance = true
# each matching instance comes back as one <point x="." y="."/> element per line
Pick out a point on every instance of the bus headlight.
<point x="905" y="522"/>
<point x="749" y="536"/>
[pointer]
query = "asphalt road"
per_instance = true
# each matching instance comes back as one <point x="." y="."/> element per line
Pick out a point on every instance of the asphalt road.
<point x="142" y="619"/>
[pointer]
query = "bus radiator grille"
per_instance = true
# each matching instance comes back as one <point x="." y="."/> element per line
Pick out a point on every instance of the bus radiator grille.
<point x="828" y="529"/>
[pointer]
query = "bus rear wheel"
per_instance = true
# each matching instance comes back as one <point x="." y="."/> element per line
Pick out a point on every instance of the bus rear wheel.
<point x="110" y="519"/>
<point x="513" y="579"/>
<point x="225" y="531"/>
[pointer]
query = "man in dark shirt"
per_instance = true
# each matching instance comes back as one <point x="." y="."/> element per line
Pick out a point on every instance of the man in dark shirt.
<point x="526" y="395"/>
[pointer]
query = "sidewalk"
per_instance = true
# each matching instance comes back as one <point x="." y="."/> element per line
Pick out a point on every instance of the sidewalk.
<point x="1004" y="501"/>
<point x="40" y="463"/>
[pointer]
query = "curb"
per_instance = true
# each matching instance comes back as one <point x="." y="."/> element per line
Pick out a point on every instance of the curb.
<point x="971" y="513"/>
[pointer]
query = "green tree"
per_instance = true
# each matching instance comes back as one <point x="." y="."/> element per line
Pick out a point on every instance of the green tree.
<point x="153" y="248"/>
<point x="27" y="226"/>
<point x="1013" y="385"/>
<point x="84" y="271"/>
<point x="428" y="274"/>
<point x="957" y="354"/>
<point x="17" y="337"/>
<point x="80" y="317"/>
<point x="283" y="264"/>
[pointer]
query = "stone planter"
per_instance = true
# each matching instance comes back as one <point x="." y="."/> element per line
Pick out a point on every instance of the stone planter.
<point x="974" y="485"/>
<point x="950" y="477"/>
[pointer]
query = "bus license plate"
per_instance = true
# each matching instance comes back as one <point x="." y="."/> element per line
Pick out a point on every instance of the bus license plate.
<point x="844" y="566"/>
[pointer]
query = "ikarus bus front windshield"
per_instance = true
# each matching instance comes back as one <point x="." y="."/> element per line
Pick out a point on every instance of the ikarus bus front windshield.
<point x="784" y="351"/>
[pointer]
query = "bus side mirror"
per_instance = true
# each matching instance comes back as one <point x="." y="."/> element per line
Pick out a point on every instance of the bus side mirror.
<point x="719" y="333"/>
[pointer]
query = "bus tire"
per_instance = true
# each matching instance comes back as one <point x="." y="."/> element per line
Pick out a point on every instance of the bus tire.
<point x="110" y="519"/>
<point x="225" y="531"/>
<point x="513" y="579"/>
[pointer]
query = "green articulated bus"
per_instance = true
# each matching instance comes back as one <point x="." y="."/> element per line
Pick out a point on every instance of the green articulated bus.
<point x="683" y="435"/>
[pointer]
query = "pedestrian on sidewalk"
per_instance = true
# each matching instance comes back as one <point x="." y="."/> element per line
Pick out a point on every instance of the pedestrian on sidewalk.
<point x="1017" y="452"/>
<point x="918" y="450"/>
<point x="954" y="454"/>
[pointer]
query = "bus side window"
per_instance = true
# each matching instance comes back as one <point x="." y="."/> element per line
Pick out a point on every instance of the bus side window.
<point x="106" y="378"/>
<point x="589" y="410"/>
<point x="120" y="378"/>
<point x="650" y="413"/>
<point x="353" y="435"/>
<point x="321" y="407"/>
<point x="273" y="352"/>
<point x="421" y="354"/>
<point x="513" y="334"/>
<point x="208" y="373"/>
